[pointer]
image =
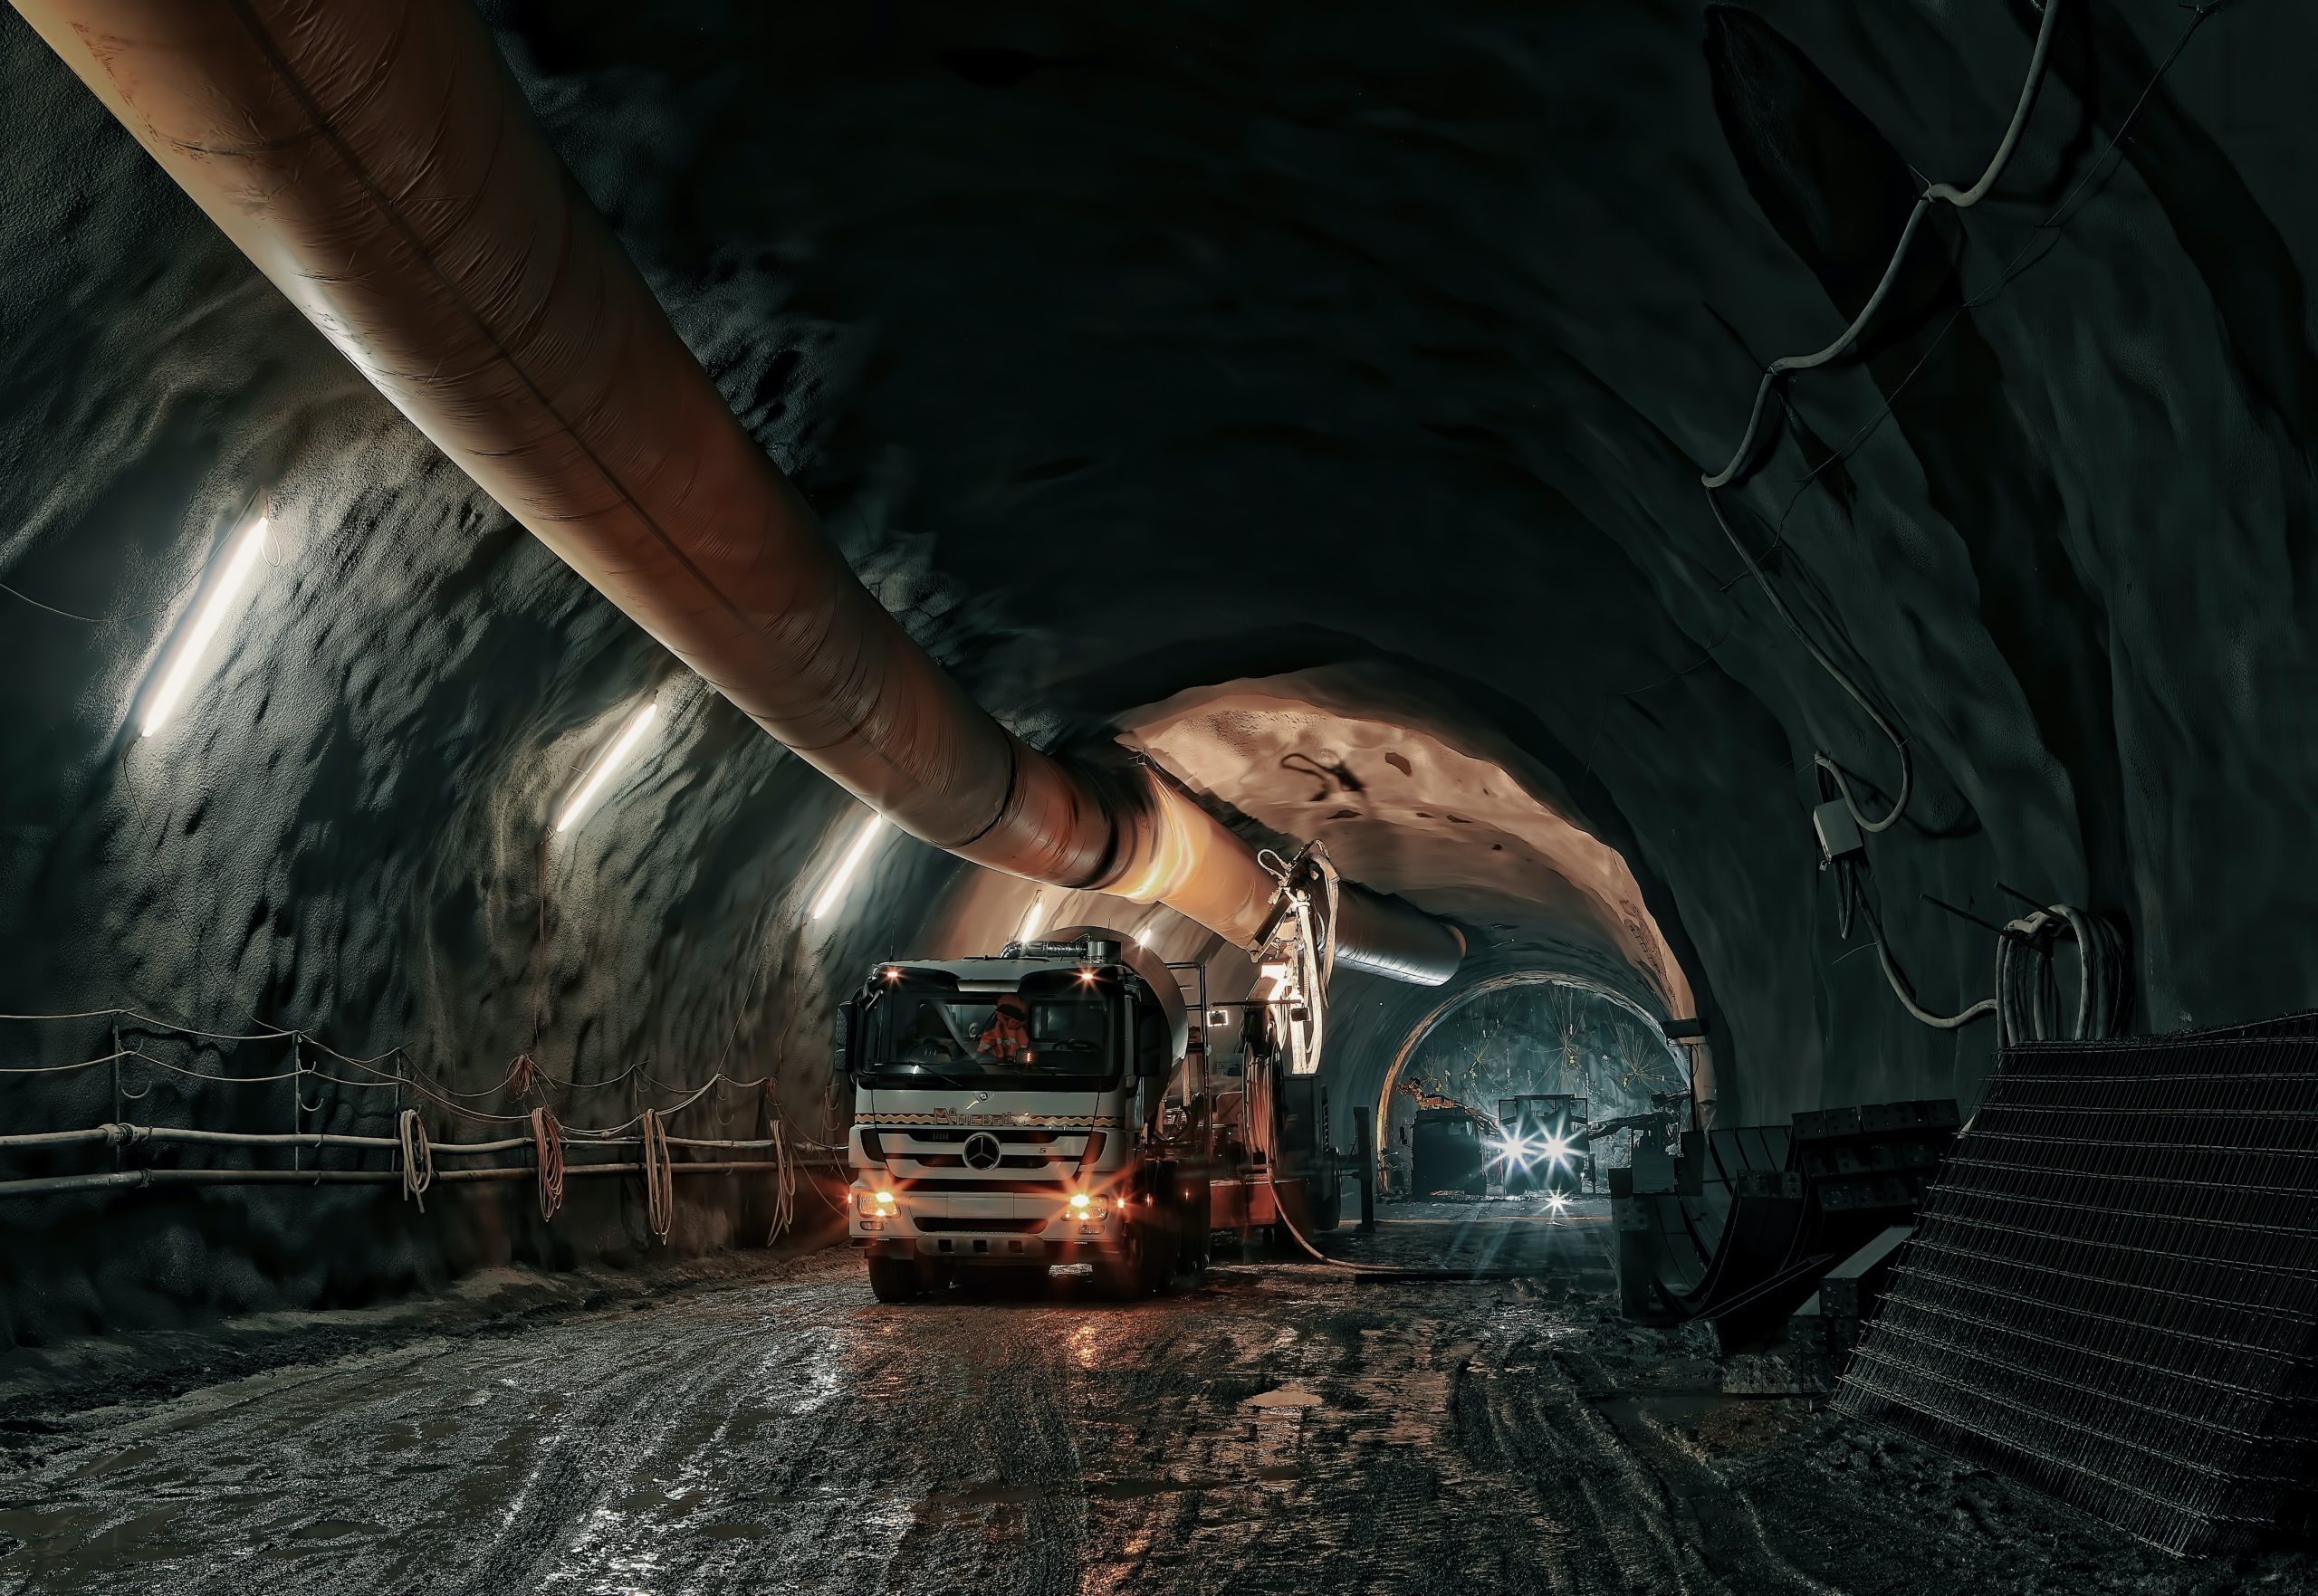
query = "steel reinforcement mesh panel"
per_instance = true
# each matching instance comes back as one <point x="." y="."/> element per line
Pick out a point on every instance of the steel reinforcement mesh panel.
<point x="2112" y="1292"/>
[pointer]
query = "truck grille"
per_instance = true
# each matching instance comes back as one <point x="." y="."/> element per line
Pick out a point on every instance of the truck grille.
<point x="942" y="1227"/>
<point x="1054" y="1154"/>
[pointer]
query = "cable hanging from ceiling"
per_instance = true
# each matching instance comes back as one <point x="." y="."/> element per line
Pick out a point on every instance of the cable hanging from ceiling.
<point x="2024" y="1000"/>
<point x="1942" y="193"/>
<point x="1962" y="199"/>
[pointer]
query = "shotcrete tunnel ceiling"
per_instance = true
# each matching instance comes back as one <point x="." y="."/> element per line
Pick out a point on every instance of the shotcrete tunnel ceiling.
<point x="1143" y="360"/>
<point x="1405" y="810"/>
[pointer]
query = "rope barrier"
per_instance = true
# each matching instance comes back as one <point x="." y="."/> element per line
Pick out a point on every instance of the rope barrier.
<point x="547" y="1145"/>
<point x="414" y="1171"/>
<point x="659" y="1187"/>
<point x="524" y="1074"/>
<point x="418" y="1157"/>
<point x="49" y="1185"/>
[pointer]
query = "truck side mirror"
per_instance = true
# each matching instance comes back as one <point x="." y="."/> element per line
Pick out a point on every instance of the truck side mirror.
<point x="847" y="1034"/>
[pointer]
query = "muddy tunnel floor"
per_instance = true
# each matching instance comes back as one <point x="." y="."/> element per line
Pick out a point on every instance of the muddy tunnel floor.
<point x="1281" y="1427"/>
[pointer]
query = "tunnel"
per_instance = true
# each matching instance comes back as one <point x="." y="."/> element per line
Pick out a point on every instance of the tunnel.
<point x="1016" y="797"/>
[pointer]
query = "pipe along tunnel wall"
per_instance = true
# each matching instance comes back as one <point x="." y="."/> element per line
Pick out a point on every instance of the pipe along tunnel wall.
<point x="2069" y="565"/>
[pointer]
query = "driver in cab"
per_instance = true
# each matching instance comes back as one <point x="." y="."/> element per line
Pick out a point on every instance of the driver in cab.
<point x="1008" y="1035"/>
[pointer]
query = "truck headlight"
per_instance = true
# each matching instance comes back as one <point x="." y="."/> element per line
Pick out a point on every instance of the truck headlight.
<point x="1086" y="1207"/>
<point x="885" y="1201"/>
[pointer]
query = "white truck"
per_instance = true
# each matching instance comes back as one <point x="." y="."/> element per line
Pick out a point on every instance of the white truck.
<point x="1052" y="1105"/>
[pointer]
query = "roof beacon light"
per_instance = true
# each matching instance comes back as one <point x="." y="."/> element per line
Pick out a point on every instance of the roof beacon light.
<point x="614" y="758"/>
<point x="240" y="561"/>
<point x="842" y="877"/>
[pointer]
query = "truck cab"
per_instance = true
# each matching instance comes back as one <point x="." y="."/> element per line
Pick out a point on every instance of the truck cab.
<point x="1008" y="1117"/>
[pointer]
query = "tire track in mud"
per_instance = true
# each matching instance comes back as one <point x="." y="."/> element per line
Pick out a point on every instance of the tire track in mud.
<point x="1275" y="1431"/>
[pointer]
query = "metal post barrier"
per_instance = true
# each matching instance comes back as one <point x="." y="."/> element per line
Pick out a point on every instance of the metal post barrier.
<point x="1365" y="1137"/>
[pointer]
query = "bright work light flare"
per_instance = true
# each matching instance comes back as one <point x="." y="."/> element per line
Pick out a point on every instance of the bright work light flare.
<point x="240" y="561"/>
<point x="834" y="891"/>
<point x="1032" y="920"/>
<point x="614" y="758"/>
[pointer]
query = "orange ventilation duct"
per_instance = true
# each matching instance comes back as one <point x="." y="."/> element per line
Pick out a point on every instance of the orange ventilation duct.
<point x="379" y="163"/>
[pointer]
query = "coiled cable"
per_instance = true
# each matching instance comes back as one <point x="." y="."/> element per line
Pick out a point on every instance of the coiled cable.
<point x="784" y="1185"/>
<point x="660" y="1178"/>
<point x="546" y="1151"/>
<point x="418" y="1157"/>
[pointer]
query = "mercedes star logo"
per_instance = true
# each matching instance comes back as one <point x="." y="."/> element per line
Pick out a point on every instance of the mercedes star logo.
<point x="982" y="1151"/>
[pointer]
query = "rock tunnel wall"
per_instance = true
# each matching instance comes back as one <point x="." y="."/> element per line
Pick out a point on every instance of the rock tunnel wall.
<point x="1123" y="347"/>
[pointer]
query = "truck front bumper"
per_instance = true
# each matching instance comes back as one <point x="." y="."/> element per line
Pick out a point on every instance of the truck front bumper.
<point x="972" y="1251"/>
<point x="973" y="1230"/>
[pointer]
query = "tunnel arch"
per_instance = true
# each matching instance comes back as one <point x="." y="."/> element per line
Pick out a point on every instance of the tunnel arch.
<point x="1695" y="1065"/>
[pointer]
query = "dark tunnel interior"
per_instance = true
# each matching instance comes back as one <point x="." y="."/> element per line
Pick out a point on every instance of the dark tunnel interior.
<point x="1255" y="506"/>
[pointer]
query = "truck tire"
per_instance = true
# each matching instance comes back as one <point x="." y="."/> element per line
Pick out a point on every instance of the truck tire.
<point x="1194" y="1242"/>
<point x="1156" y="1253"/>
<point x="1120" y="1277"/>
<point x="1327" y="1213"/>
<point x="895" y="1280"/>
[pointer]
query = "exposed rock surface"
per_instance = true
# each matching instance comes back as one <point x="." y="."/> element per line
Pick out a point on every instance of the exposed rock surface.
<point x="1135" y="352"/>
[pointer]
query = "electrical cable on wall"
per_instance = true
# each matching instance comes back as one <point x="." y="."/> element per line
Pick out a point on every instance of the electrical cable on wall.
<point x="2024" y="1000"/>
<point x="1842" y="679"/>
<point x="1941" y="192"/>
<point x="1961" y="198"/>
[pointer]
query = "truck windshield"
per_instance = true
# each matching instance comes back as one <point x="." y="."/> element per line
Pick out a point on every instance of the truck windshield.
<point x="970" y="1037"/>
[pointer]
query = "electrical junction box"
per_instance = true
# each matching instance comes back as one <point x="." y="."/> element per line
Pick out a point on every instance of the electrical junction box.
<point x="1839" y="836"/>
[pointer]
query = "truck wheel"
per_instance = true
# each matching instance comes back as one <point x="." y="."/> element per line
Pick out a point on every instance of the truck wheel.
<point x="1120" y="1276"/>
<point x="1194" y="1244"/>
<point x="895" y="1280"/>
<point x="1328" y="1213"/>
<point x="1155" y="1256"/>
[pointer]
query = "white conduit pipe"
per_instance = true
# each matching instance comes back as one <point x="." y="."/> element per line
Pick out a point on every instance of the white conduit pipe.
<point x="1962" y="199"/>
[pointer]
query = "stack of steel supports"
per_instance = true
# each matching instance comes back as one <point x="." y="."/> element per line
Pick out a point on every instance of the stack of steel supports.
<point x="2113" y="1294"/>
